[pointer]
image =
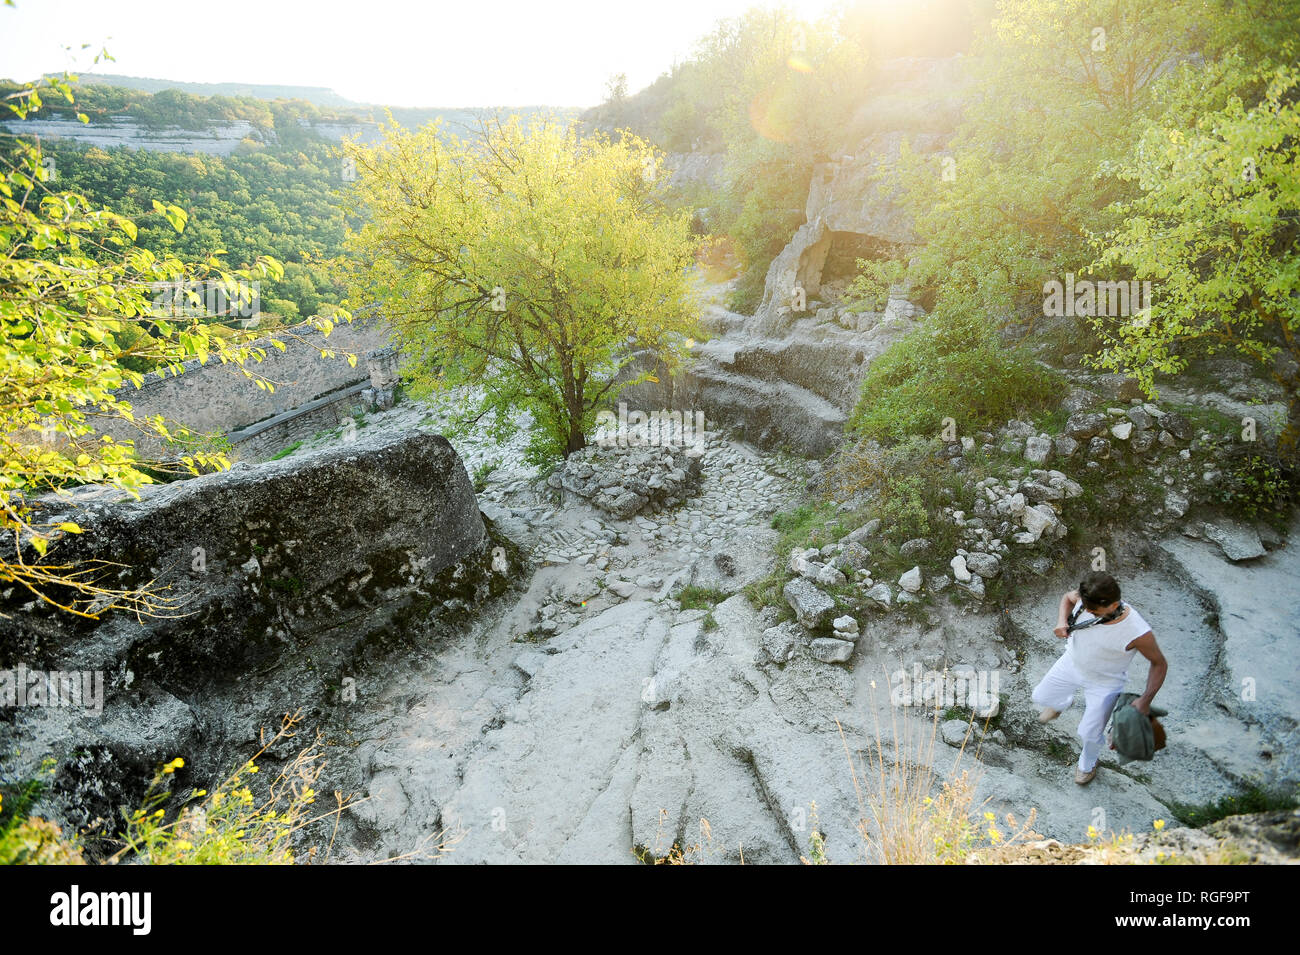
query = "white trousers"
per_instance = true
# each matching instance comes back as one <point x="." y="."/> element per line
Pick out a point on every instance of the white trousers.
<point x="1056" y="691"/>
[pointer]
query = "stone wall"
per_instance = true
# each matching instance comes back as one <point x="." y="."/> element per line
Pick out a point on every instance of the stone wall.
<point x="267" y="438"/>
<point x="213" y="398"/>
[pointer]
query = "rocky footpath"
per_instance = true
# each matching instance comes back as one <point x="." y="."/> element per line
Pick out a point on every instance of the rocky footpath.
<point x="595" y="718"/>
<point x="619" y="733"/>
<point x="631" y="688"/>
<point x="789" y="391"/>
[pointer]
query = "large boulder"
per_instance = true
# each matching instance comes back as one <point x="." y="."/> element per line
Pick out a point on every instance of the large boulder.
<point x="812" y="607"/>
<point x="290" y="581"/>
<point x="1086" y="424"/>
<point x="350" y="540"/>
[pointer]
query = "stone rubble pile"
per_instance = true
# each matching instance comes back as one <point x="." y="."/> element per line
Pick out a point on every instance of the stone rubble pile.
<point x="623" y="481"/>
<point x="1021" y="509"/>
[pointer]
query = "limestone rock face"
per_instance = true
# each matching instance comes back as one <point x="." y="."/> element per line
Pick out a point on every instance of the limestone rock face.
<point x="277" y="552"/>
<point x="291" y="577"/>
<point x="788" y="375"/>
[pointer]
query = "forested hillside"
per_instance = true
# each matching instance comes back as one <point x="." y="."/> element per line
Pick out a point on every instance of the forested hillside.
<point x="776" y="94"/>
<point x="1078" y="134"/>
<point x="277" y="194"/>
<point x="265" y="200"/>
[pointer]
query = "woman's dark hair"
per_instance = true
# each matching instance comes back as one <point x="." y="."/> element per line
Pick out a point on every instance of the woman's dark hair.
<point x="1098" y="590"/>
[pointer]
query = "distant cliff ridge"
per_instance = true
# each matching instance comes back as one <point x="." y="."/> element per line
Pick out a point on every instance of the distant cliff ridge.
<point x="219" y="139"/>
<point x="319" y="95"/>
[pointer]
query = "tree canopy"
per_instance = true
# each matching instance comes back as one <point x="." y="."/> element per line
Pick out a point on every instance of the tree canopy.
<point x="529" y="261"/>
<point x="1216" y="226"/>
<point x="77" y="307"/>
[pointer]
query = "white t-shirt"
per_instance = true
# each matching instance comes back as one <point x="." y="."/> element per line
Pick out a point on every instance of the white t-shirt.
<point x="1099" y="651"/>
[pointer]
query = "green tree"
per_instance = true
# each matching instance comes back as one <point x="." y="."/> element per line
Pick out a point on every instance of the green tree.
<point x="528" y="261"/>
<point x="77" y="313"/>
<point x="1059" y="91"/>
<point x="616" y="88"/>
<point x="1216" y="227"/>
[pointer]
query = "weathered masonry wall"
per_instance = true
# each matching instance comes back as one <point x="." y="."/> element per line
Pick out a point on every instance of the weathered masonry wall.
<point x="216" y="398"/>
<point x="267" y="438"/>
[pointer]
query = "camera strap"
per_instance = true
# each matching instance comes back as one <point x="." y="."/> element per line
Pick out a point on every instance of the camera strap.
<point x="1078" y="609"/>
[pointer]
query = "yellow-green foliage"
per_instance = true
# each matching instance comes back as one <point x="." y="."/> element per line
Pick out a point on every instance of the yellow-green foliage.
<point x="36" y="841"/>
<point x="229" y="825"/>
<point x="77" y="323"/>
<point x="30" y="840"/>
<point x="950" y="368"/>
<point x="869" y="290"/>
<point x="909" y="815"/>
<point x="1214" y="225"/>
<point x="531" y="262"/>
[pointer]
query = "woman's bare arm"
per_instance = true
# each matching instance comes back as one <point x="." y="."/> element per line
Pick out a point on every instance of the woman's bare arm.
<point x="1068" y="600"/>
<point x="1147" y="646"/>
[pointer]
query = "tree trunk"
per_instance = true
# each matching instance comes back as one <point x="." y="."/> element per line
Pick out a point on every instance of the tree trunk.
<point x="576" y="440"/>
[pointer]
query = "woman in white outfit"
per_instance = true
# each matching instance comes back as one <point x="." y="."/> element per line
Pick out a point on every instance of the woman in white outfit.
<point x="1103" y="635"/>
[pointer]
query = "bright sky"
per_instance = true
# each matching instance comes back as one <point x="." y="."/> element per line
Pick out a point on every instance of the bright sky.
<point x="423" y="53"/>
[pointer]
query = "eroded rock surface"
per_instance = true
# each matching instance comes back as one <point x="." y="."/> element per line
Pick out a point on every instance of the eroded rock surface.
<point x="288" y="578"/>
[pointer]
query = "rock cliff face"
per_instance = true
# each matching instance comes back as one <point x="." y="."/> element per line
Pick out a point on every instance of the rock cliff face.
<point x="848" y="212"/>
<point x="290" y="576"/>
<point x="220" y="139"/>
<point x="787" y="376"/>
<point x="851" y="210"/>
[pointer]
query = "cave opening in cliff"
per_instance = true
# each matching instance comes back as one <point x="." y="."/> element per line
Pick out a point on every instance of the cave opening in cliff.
<point x="846" y="248"/>
<point x="840" y="266"/>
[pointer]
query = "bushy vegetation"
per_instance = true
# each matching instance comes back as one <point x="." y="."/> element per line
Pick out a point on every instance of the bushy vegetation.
<point x="238" y="823"/>
<point x="531" y="265"/>
<point x="869" y="290"/>
<point x="482" y="473"/>
<point x="956" y="368"/>
<point x="1253" y="798"/>
<point x="1258" y="484"/>
<point x="777" y="94"/>
<point x="78" y="323"/>
<point x="1214" y="222"/>
<point x="1113" y="166"/>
